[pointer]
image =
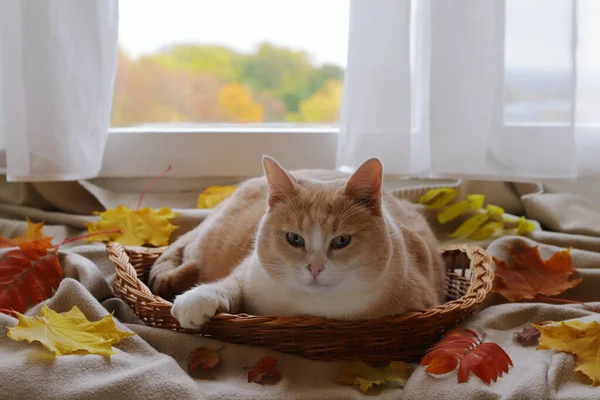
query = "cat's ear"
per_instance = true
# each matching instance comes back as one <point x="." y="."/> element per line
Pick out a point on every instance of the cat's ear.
<point x="281" y="184"/>
<point x="364" y="186"/>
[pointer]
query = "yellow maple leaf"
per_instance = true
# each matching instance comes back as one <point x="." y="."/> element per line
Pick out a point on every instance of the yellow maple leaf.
<point x="137" y="227"/>
<point x="34" y="231"/>
<point x="213" y="195"/>
<point x="68" y="332"/>
<point x="359" y="373"/>
<point x="579" y="338"/>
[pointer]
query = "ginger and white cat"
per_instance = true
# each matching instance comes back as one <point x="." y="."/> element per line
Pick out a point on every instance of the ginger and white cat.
<point x="304" y="243"/>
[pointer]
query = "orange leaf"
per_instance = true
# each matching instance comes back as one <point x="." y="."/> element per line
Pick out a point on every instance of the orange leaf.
<point x="531" y="276"/>
<point x="466" y="349"/>
<point x="203" y="358"/>
<point x="264" y="370"/>
<point x="34" y="231"/>
<point x="442" y="365"/>
<point x="29" y="273"/>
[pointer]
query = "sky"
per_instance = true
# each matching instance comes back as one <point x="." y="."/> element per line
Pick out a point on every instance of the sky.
<point x="317" y="26"/>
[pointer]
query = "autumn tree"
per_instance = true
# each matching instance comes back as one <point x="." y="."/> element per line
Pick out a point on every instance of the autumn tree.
<point x="274" y="108"/>
<point x="145" y="92"/>
<point x="239" y="105"/>
<point x="220" y="62"/>
<point x="283" y="72"/>
<point x="191" y="83"/>
<point x="325" y="72"/>
<point x="322" y="106"/>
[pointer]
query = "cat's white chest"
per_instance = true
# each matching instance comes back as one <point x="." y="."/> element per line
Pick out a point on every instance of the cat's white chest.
<point x="264" y="296"/>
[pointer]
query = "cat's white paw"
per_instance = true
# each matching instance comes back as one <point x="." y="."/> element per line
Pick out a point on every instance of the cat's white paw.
<point x="196" y="306"/>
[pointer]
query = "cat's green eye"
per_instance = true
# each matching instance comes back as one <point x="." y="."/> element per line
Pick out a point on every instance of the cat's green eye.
<point x="341" y="241"/>
<point x="294" y="239"/>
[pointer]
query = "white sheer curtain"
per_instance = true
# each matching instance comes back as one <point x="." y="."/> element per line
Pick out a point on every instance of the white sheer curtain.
<point x="57" y="69"/>
<point x="495" y="89"/>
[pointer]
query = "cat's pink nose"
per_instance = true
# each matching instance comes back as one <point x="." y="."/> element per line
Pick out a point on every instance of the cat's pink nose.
<point x="315" y="269"/>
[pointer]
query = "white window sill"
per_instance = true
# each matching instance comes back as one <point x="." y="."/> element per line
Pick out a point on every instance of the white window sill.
<point x="216" y="151"/>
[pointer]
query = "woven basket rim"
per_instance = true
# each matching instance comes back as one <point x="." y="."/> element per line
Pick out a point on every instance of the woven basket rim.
<point x="480" y="284"/>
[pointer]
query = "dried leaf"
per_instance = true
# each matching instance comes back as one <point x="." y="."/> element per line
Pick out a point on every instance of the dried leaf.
<point x="452" y="211"/>
<point x="137" y="227"/>
<point x="213" y="195"/>
<point x="494" y="211"/>
<point x="579" y="338"/>
<point x="437" y="198"/>
<point x="525" y="226"/>
<point x="397" y="372"/>
<point x="264" y="371"/>
<point x="466" y="350"/>
<point x="475" y="201"/>
<point x="28" y="274"/>
<point x="68" y="332"/>
<point x="486" y="231"/>
<point x="364" y="375"/>
<point x="470" y="225"/>
<point x="528" y="336"/>
<point x="531" y="276"/>
<point x="202" y="358"/>
<point x="518" y="226"/>
<point x="34" y="231"/>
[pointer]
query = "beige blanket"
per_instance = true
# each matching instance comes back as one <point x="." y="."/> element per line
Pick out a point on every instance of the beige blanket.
<point x="152" y="364"/>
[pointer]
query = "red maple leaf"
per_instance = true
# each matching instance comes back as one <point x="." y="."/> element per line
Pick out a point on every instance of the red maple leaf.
<point x="28" y="274"/>
<point x="264" y="370"/>
<point x="466" y="350"/>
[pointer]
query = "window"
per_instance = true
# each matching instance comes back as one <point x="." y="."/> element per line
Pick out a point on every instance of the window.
<point x="185" y="62"/>
<point x="539" y="63"/>
<point x="208" y="86"/>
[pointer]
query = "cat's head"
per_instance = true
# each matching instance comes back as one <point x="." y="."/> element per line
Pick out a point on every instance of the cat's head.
<point x="324" y="237"/>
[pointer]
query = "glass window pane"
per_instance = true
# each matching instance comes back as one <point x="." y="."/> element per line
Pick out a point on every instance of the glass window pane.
<point x="588" y="63"/>
<point x="538" y="61"/>
<point x="230" y="61"/>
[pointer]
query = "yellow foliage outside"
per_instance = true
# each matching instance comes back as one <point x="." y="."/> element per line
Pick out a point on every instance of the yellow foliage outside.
<point x="322" y="106"/>
<point x="239" y="105"/>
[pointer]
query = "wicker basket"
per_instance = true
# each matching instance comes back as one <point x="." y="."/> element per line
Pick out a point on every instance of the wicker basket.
<point x="397" y="337"/>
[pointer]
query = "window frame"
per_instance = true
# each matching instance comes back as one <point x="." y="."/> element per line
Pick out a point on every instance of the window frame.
<point x="226" y="150"/>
